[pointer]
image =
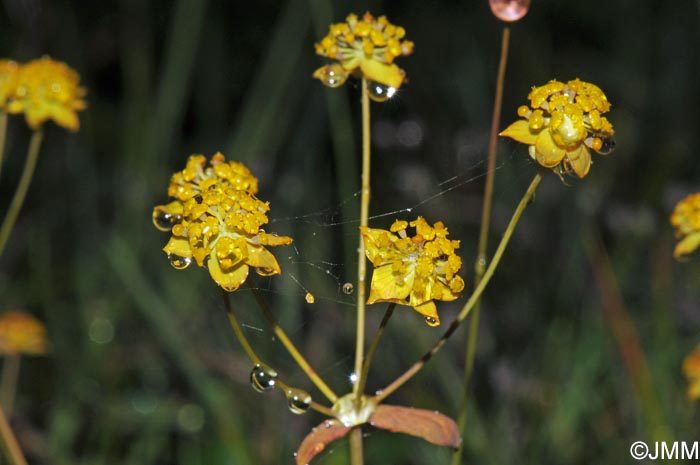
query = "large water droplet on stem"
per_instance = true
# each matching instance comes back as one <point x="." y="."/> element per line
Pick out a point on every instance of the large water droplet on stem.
<point x="380" y="92"/>
<point x="178" y="262"/>
<point x="263" y="378"/>
<point x="298" y="400"/>
<point x="332" y="75"/>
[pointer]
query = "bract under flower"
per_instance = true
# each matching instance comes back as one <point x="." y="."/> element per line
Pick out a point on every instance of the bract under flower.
<point x="366" y="47"/>
<point x="8" y="81"/>
<point x="562" y="123"/>
<point x="48" y="89"/>
<point x="416" y="270"/>
<point x="691" y="369"/>
<point x="216" y="221"/>
<point x="686" y="220"/>
<point x="21" y="333"/>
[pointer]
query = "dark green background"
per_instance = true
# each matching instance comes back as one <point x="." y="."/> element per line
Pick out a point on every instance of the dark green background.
<point x="140" y="351"/>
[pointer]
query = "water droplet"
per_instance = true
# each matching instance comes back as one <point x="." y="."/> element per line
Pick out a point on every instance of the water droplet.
<point x="332" y="75"/>
<point x="310" y="298"/>
<point x="353" y="377"/>
<point x="348" y="288"/>
<point x="432" y="321"/>
<point x="509" y="10"/>
<point x="298" y="400"/>
<point x="263" y="378"/>
<point x="164" y="221"/>
<point x="380" y="92"/>
<point x="178" y="262"/>
<point x="608" y="146"/>
<point x="265" y="271"/>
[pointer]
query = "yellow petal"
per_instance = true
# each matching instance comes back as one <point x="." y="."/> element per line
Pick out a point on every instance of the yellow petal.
<point x="260" y="257"/>
<point x="386" y="288"/>
<point x="389" y="75"/>
<point x="274" y="240"/>
<point x="687" y="245"/>
<point x="375" y="241"/>
<point x="230" y="280"/>
<point x="68" y="119"/>
<point x="520" y="131"/>
<point x="691" y="364"/>
<point x="548" y="153"/>
<point x="178" y="246"/>
<point x="429" y="311"/>
<point x="580" y="160"/>
<point x="442" y="291"/>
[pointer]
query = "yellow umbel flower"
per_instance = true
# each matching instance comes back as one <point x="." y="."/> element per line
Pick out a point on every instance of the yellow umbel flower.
<point x="686" y="220"/>
<point x="366" y="47"/>
<point x="562" y="122"/>
<point x="216" y="221"/>
<point x="416" y="270"/>
<point x="8" y="81"/>
<point x="21" y="333"/>
<point x="691" y="369"/>
<point x="48" y="90"/>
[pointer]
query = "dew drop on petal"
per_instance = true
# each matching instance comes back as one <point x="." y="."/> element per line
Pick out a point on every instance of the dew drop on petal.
<point x="348" y="288"/>
<point x="430" y="321"/>
<point x="332" y="75"/>
<point x="178" y="262"/>
<point x="509" y="10"/>
<point x="310" y="298"/>
<point x="298" y="400"/>
<point x="263" y="378"/>
<point x="265" y="271"/>
<point x="380" y="92"/>
<point x="164" y="221"/>
<point x="608" y="146"/>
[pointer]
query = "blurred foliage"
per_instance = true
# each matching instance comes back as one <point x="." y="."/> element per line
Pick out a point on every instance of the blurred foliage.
<point x="143" y="368"/>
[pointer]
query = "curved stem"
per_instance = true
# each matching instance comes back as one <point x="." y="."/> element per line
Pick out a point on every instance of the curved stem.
<point x="291" y="348"/>
<point x="416" y="367"/>
<point x="9" y="443"/>
<point x="240" y="335"/>
<point x="373" y="347"/>
<point x="22" y="188"/>
<point x="3" y="134"/>
<point x="361" y="260"/>
<point x="480" y="264"/>
<point x="8" y="382"/>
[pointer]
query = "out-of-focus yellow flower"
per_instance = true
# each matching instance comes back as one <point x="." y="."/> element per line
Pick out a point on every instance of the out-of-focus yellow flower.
<point x="366" y="47"/>
<point x="691" y="369"/>
<point x="686" y="220"/>
<point x="562" y="122"/>
<point x="216" y="221"/>
<point x="8" y="81"/>
<point x="416" y="270"/>
<point x="48" y="90"/>
<point x="21" y="333"/>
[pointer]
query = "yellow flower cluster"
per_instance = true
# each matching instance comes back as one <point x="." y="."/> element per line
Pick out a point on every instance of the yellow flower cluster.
<point x="562" y="122"/>
<point x="216" y="220"/>
<point x="686" y="220"/>
<point x="364" y="46"/>
<point x="43" y="89"/>
<point x="691" y="369"/>
<point x="21" y="333"/>
<point x="416" y="270"/>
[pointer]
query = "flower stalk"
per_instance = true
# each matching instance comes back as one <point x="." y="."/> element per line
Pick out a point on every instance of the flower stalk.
<point x="9" y="443"/>
<point x="22" y="188"/>
<point x="488" y="274"/>
<point x="480" y="264"/>
<point x="3" y="135"/>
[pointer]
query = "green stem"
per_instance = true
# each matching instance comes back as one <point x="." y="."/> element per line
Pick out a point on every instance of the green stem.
<point x="488" y="274"/>
<point x="8" y="382"/>
<point x="9" y="443"/>
<point x="22" y="188"/>
<point x="373" y="347"/>
<point x="250" y="352"/>
<point x="3" y="134"/>
<point x="356" y="446"/>
<point x="480" y="264"/>
<point x="291" y="348"/>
